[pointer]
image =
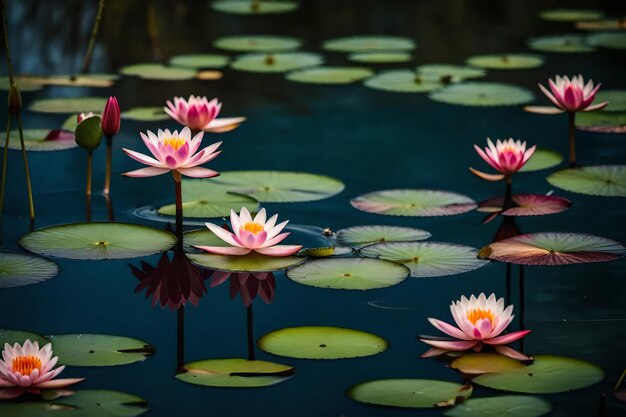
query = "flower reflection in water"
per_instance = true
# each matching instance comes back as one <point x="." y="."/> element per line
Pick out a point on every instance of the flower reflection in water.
<point x="248" y="285"/>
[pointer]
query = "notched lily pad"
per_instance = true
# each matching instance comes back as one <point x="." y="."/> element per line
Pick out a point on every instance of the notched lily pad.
<point x="234" y="373"/>
<point x="20" y="269"/>
<point x="598" y="180"/>
<point x="409" y="202"/>
<point x="276" y="62"/>
<point x="99" y="349"/>
<point x="257" y="43"/>
<point x="330" y="75"/>
<point x="369" y="43"/>
<point x="482" y="94"/>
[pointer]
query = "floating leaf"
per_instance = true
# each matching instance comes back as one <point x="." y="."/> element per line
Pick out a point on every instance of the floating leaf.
<point x="20" y="269"/>
<point x="235" y="372"/>
<point x="254" y="6"/>
<point x="570" y="15"/>
<point x="69" y="105"/>
<point x="97" y="241"/>
<point x="98" y="349"/>
<point x="252" y="262"/>
<point x="453" y="72"/>
<point x="600" y="180"/>
<point x="527" y="205"/>
<point x="279" y="186"/>
<point x="349" y="273"/>
<point x="24" y="82"/>
<point x="568" y="43"/>
<point x="18" y="336"/>
<point x="506" y="61"/>
<point x="610" y="40"/>
<point x="553" y="248"/>
<point x="321" y="342"/>
<point x="145" y="114"/>
<point x="403" y="81"/>
<point x="427" y="259"/>
<point x="616" y="99"/>
<point x="383" y="57"/>
<point x="501" y="406"/>
<point x="257" y="43"/>
<point x="199" y="61"/>
<point x="604" y="24"/>
<point x="88" y="134"/>
<point x="601" y="122"/>
<point x="321" y="252"/>
<point x="410" y="393"/>
<point x="330" y="75"/>
<point x="546" y="375"/>
<point x="37" y="140"/>
<point x="419" y="203"/>
<point x="542" y="159"/>
<point x="482" y="94"/>
<point x="159" y="72"/>
<point x="482" y="363"/>
<point x="278" y="62"/>
<point x="369" y="43"/>
<point x="358" y="236"/>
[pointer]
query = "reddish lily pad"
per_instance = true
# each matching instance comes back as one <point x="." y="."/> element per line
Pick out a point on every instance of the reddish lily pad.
<point x="409" y="202"/>
<point x="527" y="205"/>
<point x="42" y="140"/>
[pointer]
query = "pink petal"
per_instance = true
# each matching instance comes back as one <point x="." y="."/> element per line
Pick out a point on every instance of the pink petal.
<point x="433" y="352"/>
<point x="5" y="384"/>
<point x="223" y="125"/>
<point x="59" y="383"/>
<point x="511" y="353"/>
<point x="275" y="240"/>
<point x="10" y="393"/>
<point x="279" y="250"/>
<point x="224" y="250"/>
<point x="198" y="172"/>
<point x="144" y="159"/>
<point x="455" y="345"/>
<point x="507" y="338"/>
<point x="223" y="234"/>
<point x="597" y="106"/>
<point x="449" y="329"/>
<point x="146" y="172"/>
<point x="486" y="177"/>
<point x="572" y="98"/>
<point x="486" y="158"/>
<point x="553" y="98"/>
<point x="543" y="110"/>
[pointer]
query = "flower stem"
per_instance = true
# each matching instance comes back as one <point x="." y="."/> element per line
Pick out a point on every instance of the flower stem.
<point x="250" y="332"/>
<point x="522" y="303"/>
<point x="572" y="140"/>
<point x="179" y="207"/>
<point x="88" y="207"/>
<point x="508" y="195"/>
<point x="109" y="204"/>
<point x="29" y="189"/>
<point x="88" y="186"/>
<point x="5" y="163"/>
<point x="92" y="39"/>
<point x="107" y="176"/>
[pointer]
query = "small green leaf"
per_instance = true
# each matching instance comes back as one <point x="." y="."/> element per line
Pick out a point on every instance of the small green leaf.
<point x="89" y="133"/>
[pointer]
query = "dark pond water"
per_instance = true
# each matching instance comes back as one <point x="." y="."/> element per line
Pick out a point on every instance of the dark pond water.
<point x="371" y="140"/>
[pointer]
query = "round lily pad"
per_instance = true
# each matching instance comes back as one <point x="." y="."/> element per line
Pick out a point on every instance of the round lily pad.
<point x="546" y="375"/>
<point x="321" y="342"/>
<point x="257" y="43"/>
<point x="382" y="57"/>
<point x="24" y="82"/>
<point x="254" y="6"/>
<point x="506" y="61"/>
<point x="20" y="269"/>
<point x="601" y="122"/>
<point x="35" y="82"/>
<point x="145" y="114"/>
<point x="427" y="259"/>
<point x="603" y="24"/>
<point x="526" y="205"/>
<point x="403" y="81"/>
<point x="235" y="372"/>
<point x="410" y="393"/>
<point x="199" y="61"/>
<point x="277" y="62"/>
<point x="19" y="336"/>
<point x="482" y="94"/>
<point x="568" y="43"/>
<point x="419" y="203"/>
<point x="205" y="199"/>
<point x="369" y="43"/>
<point x="570" y="15"/>
<point x="554" y="248"/>
<point x="610" y="40"/>
<point x="279" y="186"/>
<point x="252" y="262"/>
<point x="453" y="72"/>
<point x="159" y="72"/>
<point x="69" y="105"/>
<point x="98" y="349"/>
<point x="97" y="241"/>
<point x="42" y="140"/>
<point x="358" y="236"/>
<point x="330" y="75"/>
<point x="542" y="159"/>
<point x="599" y="180"/>
<point x="482" y="363"/>
<point x="349" y="273"/>
<point x="616" y="99"/>
<point x="501" y="406"/>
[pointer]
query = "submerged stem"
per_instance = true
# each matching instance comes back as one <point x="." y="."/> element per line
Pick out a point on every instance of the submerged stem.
<point x="179" y="207"/>
<point x="29" y="189"/>
<point x="88" y="207"/>
<point x="107" y="175"/>
<point x="572" y="139"/>
<point x="92" y="39"/>
<point x="5" y="162"/>
<point x="88" y="186"/>
<point x="250" y="332"/>
<point x="508" y="195"/>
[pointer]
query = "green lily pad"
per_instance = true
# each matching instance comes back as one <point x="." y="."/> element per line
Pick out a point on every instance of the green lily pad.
<point x="482" y="363"/>
<point x="257" y="43"/>
<point x="358" y="236"/>
<point x="279" y="186"/>
<point x="252" y="262"/>
<point x="506" y="61"/>
<point x="546" y="375"/>
<point x="382" y="57"/>
<point x="349" y="273"/>
<point x="369" y="43"/>
<point x="235" y="372"/>
<point x="567" y="43"/>
<point x="19" y="336"/>
<point x="97" y="241"/>
<point x="454" y="72"/>
<point x="201" y="237"/>
<point x="482" y="94"/>
<point x="199" y="61"/>
<point x="35" y="140"/>
<point x="69" y="105"/>
<point x="419" y="203"/>
<point x="610" y="40"/>
<point x="501" y="406"/>
<point x="330" y="75"/>
<point x="570" y="15"/>
<point x="25" y="83"/>
<point x="159" y="72"/>
<point x="542" y="159"/>
<point x="428" y="259"/>
<point x="145" y="114"/>
<point x="20" y="269"/>
<point x="254" y="6"/>
<point x="278" y="62"/>
<point x="403" y="81"/>
<point x="35" y="82"/>
<point x="98" y="349"/>
<point x="616" y="99"/>
<point x="601" y="122"/>
<point x="410" y="393"/>
<point x="321" y="342"/>
<point x="599" y="180"/>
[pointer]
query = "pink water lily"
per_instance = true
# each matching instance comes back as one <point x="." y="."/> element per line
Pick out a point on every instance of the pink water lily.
<point x="27" y="368"/>
<point x="201" y="114"/>
<point x="481" y="321"/>
<point x="174" y="151"/>
<point x="506" y="156"/>
<point x="572" y="95"/>
<point x="258" y="235"/>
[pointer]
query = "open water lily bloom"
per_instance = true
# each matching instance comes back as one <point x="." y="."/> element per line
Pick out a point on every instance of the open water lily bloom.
<point x="506" y="156"/>
<point x="572" y="95"/>
<point x="201" y="114"/>
<point x="481" y="321"/>
<point x="258" y="235"/>
<point x="174" y="151"/>
<point x="28" y="368"/>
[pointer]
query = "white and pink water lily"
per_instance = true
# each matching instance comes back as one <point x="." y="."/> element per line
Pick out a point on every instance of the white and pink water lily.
<point x="200" y="114"/>
<point x="27" y="368"/>
<point x="174" y="151"/>
<point x="259" y="235"/>
<point x="572" y="95"/>
<point x="506" y="156"/>
<point x="481" y="321"/>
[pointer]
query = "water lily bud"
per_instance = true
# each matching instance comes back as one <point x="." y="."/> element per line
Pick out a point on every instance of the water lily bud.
<point x="15" y="99"/>
<point x="88" y="134"/>
<point x="111" y="117"/>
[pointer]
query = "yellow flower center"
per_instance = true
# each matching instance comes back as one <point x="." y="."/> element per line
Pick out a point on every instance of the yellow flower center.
<point x="25" y="365"/>
<point x="253" y="227"/>
<point x="478" y="313"/>
<point x="176" y="142"/>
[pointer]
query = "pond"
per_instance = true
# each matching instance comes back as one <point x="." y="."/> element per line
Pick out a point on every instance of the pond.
<point x="360" y="125"/>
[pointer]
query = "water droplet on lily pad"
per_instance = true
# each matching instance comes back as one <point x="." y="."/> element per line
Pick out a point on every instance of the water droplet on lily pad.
<point x="235" y="373"/>
<point x="369" y="43"/>
<point x="257" y="43"/>
<point x="410" y="393"/>
<point x="20" y="269"/>
<point x="482" y="94"/>
<point x="408" y="202"/>
<point x="506" y="61"/>
<point x="598" y="180"/>
<point x="330" y="75"/>
<point x="276" y="62"/>
<point x="98" y="349"/>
